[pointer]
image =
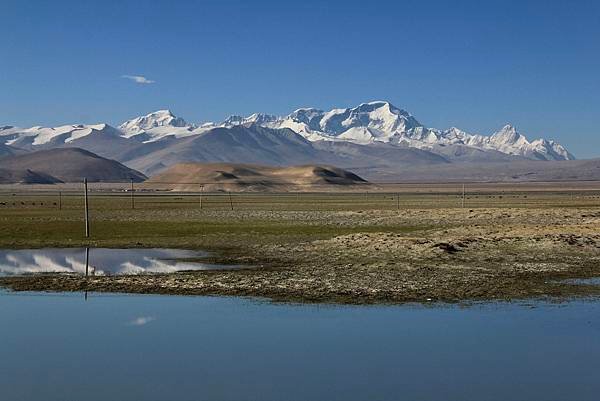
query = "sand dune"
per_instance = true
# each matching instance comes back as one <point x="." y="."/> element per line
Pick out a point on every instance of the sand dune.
<point x="251" y="177"/>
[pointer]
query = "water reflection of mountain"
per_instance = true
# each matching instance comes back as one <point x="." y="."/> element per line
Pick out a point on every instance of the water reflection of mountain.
<point x="101" y="261"/>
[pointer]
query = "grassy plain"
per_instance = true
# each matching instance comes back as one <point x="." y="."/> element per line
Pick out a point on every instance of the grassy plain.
<point x="390" y="245"/>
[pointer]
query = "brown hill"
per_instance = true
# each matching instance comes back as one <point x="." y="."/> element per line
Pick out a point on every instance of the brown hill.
<point x="64" y="165"/>
<point x="251" y="177"/>
<point x="25" y="177"/>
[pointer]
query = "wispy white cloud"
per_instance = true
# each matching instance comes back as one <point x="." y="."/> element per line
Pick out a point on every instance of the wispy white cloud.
<point x="138" y="79"/>
<point x="141" y="321"/>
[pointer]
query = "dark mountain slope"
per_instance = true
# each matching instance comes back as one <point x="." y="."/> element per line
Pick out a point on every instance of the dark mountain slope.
<point x="69" y="165"/>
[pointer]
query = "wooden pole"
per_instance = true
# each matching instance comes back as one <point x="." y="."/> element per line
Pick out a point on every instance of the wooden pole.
<point x="463" y="196"/>
<point x="230" y="200"/>
<point x="132" y="195"/>
<point x="87" y="214"/>
<point x="59" y="200"/>
<point x="201" y="195"/>
<point x="398" y="201"/>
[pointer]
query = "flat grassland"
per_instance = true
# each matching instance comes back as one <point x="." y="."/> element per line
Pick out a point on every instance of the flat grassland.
<point x="411" y="243"/>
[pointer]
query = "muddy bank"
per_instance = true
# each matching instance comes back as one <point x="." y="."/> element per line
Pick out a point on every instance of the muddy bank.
<point x="344" y="285"/>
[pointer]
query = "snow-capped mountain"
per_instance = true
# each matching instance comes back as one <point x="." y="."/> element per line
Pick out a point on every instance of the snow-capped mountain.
<point x="375" y="121"/>
<point x="158" y="125"/>
<point x="46" y="137"/>
<point x="383" y="122"/>
<point x="256" y="118"/>
<point x="160" y="118"/>
<point x="509" y="141"/>
<point x="367" y="124"/>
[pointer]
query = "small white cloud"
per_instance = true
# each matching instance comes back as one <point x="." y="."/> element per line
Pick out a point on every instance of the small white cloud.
<point x="138" y="79"/>
<point x="141" y="321"/>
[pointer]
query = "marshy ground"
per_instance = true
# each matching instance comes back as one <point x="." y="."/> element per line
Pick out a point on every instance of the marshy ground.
<point x="405" y="246"/>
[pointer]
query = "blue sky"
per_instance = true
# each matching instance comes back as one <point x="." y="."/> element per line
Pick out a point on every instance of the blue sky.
<point x="472" y="64"/>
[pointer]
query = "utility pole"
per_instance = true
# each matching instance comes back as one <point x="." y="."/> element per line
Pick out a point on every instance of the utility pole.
<point x="201" y="194"/>
<point x="87" y="214"/>
<point x="463" y="196"/>
<point x="230" y="200"/>
<point x="398" y="200"/>
<point x="132" y="195"/>
<point x="59" y="200"/>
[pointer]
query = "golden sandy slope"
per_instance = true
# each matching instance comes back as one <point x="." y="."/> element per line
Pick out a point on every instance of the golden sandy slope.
<point x="249" y="177"/>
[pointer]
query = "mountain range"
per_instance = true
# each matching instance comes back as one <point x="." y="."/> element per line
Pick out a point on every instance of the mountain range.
<point x="369" y="139"/>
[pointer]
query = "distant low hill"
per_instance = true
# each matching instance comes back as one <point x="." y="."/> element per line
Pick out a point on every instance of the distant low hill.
<point x="64" y="165"/>
<point x="252" y="177"/>
<point x="514" y="171"/>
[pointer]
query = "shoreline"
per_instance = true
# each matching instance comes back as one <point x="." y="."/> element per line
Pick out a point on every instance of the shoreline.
<point x="303" y="284"/>
<point x="58" y="284"/>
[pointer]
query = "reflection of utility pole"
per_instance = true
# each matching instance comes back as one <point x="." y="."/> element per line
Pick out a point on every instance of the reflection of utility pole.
<point x="87" y="214"/>
<point x="87" y="264"/>
<point x="87" y="260"/>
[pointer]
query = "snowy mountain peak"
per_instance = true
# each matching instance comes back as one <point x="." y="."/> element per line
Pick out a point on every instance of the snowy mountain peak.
<point x="256" y="118"/>
<point x="160" y="118"/>
<point x="306" y="110"/>
<point x="382" y="104"/>
<point x="261" y="118"/>
<point x="382" y="117"/>
<point x="507" y="135"/>
<point x="48" y="136"/>
<point x="508" y="138"/>
<point x="305" y="119"/>
<point x="455" y="132"/>
<point x="233" y="120"/>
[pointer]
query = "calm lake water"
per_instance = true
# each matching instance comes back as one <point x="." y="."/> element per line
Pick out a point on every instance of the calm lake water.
<point x="120" y="347"/>
<point x="101" y="261"/>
